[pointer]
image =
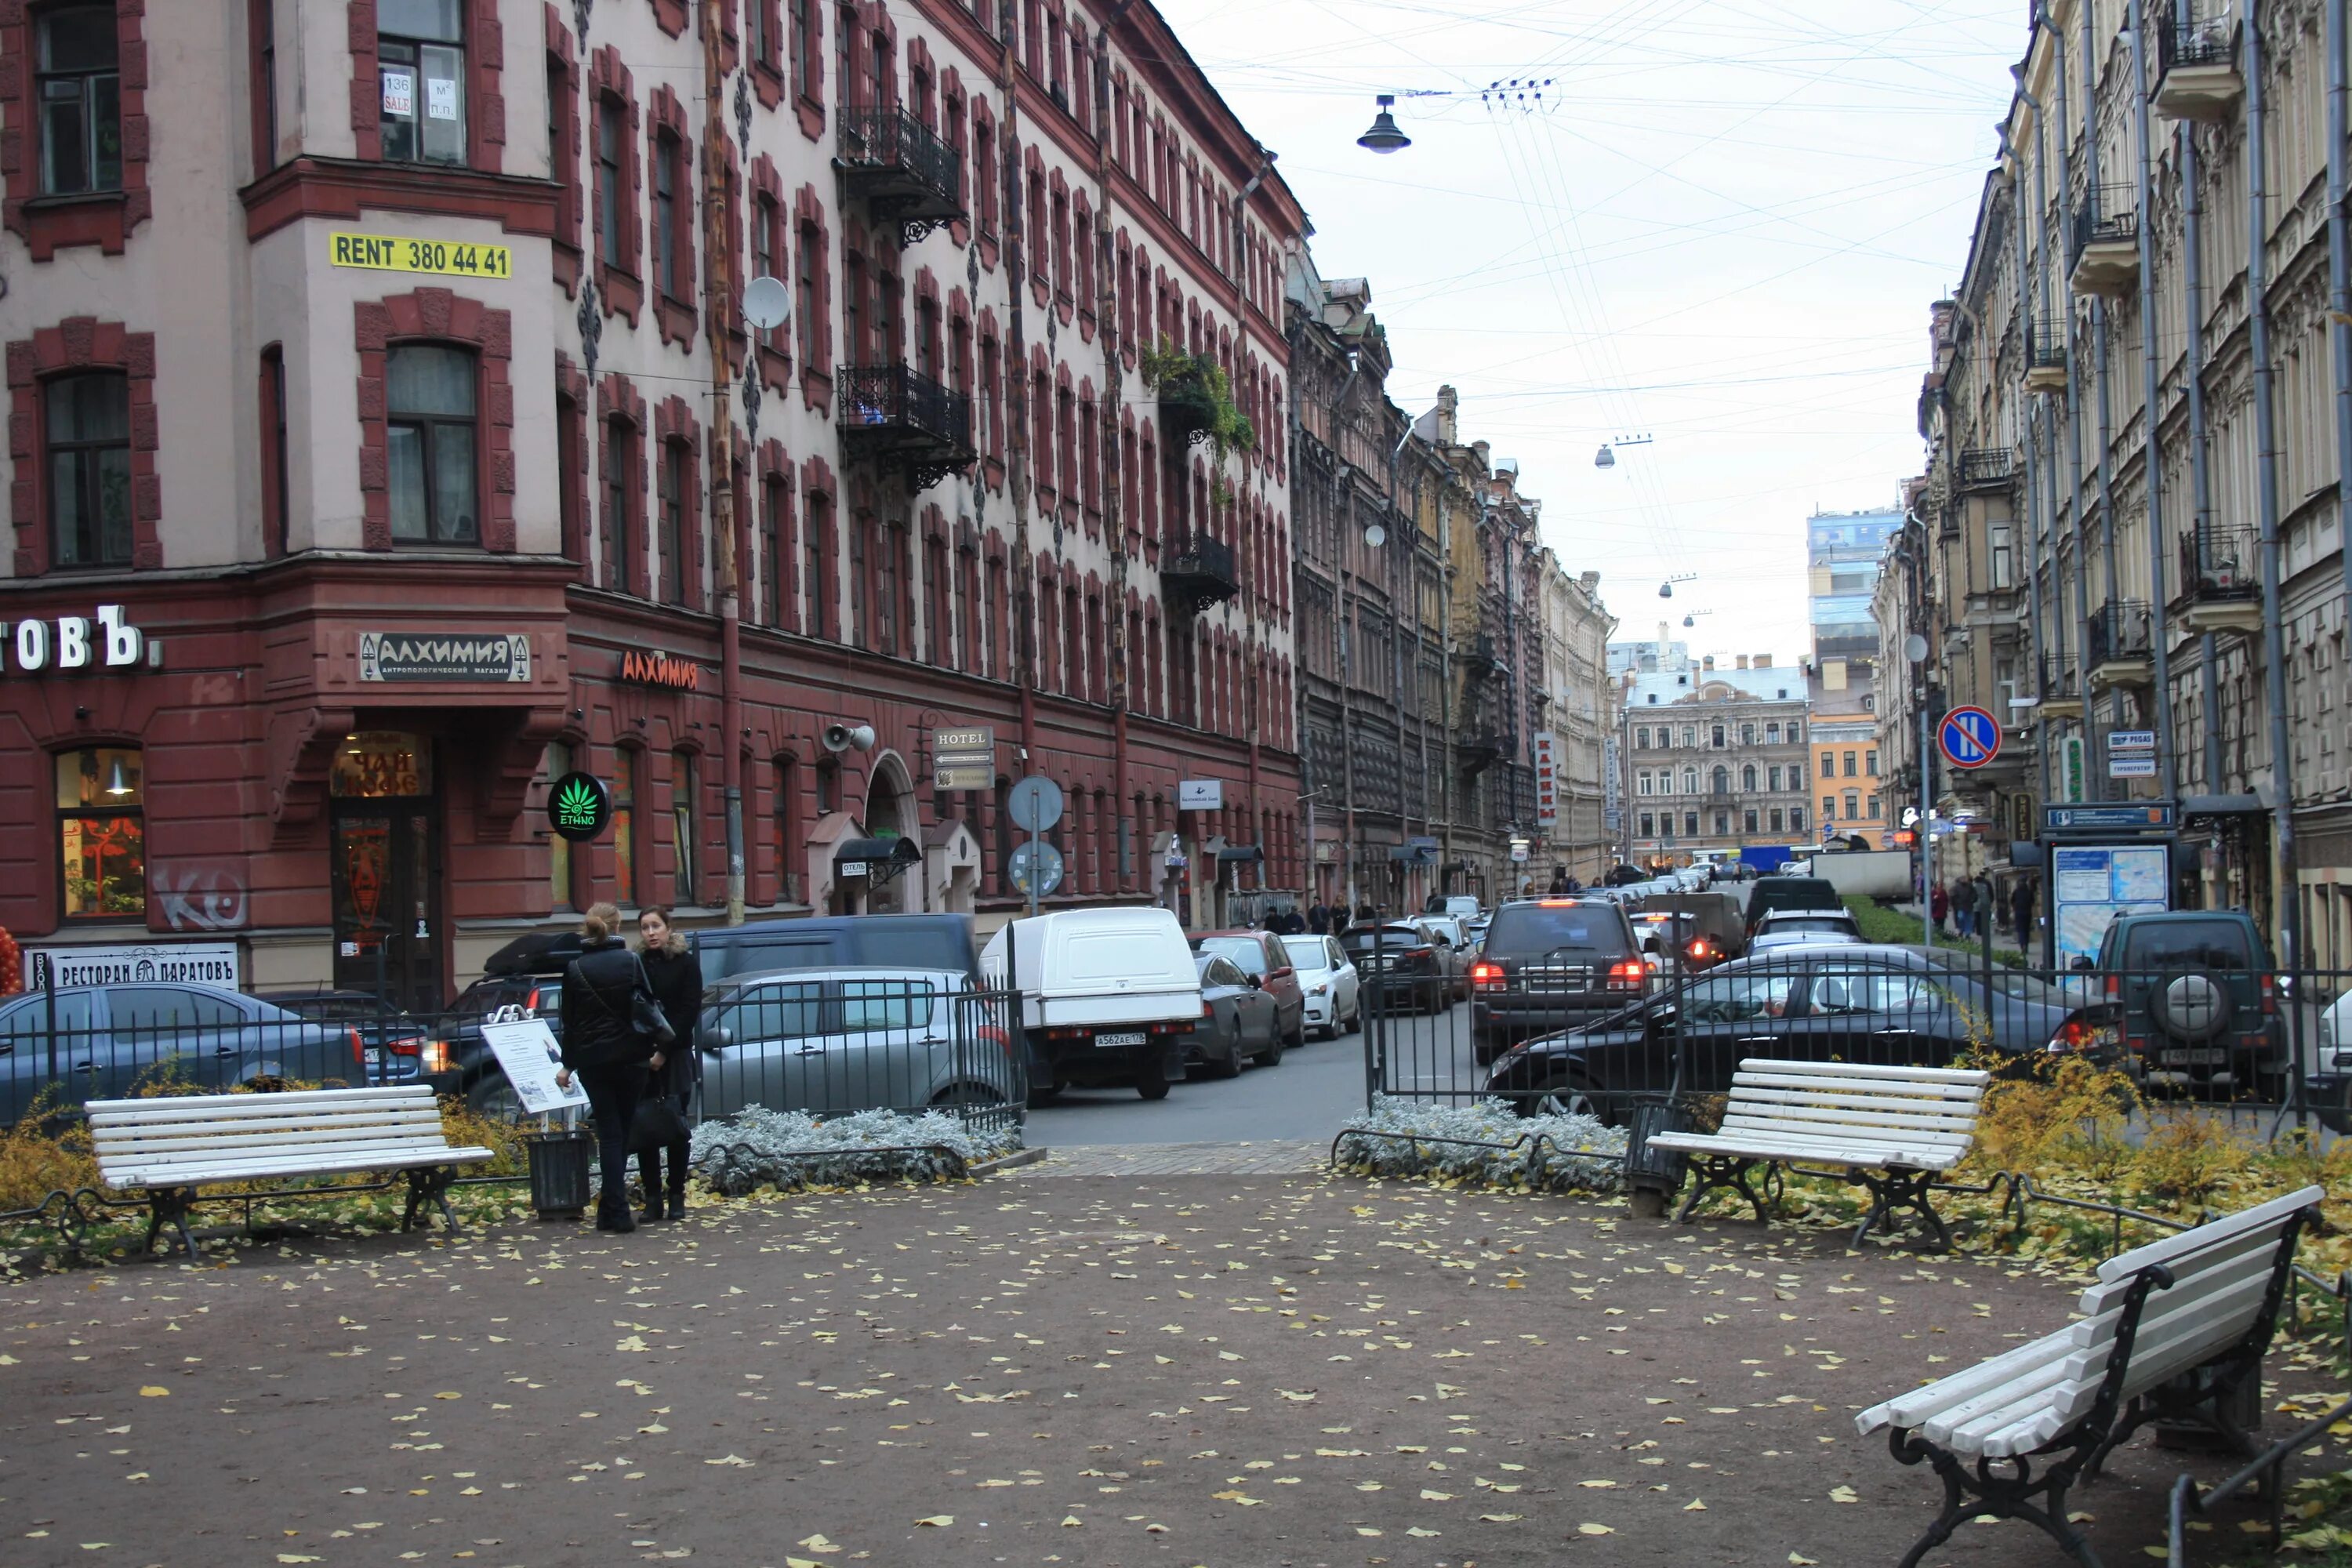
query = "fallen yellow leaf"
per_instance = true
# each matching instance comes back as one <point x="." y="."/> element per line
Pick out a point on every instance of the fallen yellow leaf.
<point x="937" y="1521"/>
<point x="154" y="1391"/>
<point x="1590" y="1529"/>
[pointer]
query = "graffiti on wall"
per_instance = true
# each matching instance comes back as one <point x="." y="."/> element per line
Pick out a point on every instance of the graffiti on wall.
<point x="200" y="896"/>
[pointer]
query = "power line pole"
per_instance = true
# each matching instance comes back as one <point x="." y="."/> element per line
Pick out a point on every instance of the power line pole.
<point x="718" y="166"/>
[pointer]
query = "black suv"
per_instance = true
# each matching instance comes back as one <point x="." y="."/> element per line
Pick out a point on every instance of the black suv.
<point x="1550" y="963"/>
<point x="2191" y="994"/>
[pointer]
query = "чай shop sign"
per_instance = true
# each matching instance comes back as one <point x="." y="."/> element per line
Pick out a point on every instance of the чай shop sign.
<point x="72" y="643"/>
<point x="445" y="656"/>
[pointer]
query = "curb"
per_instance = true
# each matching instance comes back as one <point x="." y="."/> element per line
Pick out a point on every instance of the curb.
<point x="1018" y="1157"/>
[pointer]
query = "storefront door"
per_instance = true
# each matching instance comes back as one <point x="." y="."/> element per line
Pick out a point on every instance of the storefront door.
<point x="385" y="860"/>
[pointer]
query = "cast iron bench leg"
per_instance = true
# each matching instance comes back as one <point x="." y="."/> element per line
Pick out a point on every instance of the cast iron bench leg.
<point x="1721" y="1171"/>
<point x="170" y="1205"/>
<point x="430" y="1185"/>
<point x="1901" y="1189"/>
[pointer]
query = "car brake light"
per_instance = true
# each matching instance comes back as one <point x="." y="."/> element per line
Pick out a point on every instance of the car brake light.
<point x="407" y="1047"/>
<point x="2114" y="987"/>
<point x="1698" y="948"/>
<point x="1630" y="972"/>
<point x="2270" y="995"/>
<point x="436" y="1057"/>
<point x="531" y="1004"/>
<point x="1486" y="973"/>
<point x="2074" y="1035"/>
<point x="1208" y="1009"/>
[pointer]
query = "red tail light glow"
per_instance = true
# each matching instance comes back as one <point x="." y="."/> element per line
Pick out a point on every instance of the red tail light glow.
<point x="1698" y="948"/>
<point x="1632" y="972"/>
<point x="992" y="1036"/>
<point x="2270" y="995"/>
<point x="2114" y="987"/>
<point x="2071" y="1036"/>
<point x="1486" y="973"/>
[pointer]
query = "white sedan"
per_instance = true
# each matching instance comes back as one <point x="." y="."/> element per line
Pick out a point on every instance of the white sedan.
<point x="1804" y="928"/>
<point x="1328" y="979"/>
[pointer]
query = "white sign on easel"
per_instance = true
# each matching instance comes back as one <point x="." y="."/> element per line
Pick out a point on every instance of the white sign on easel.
<point x="526" y="1049"/>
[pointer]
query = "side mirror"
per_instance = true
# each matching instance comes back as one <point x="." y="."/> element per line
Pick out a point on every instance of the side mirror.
<point x="1285" y="972"/>
<point x="713" y="1039"/>
<point x="2083" y="963"/>
<point x="1257" y="982"/>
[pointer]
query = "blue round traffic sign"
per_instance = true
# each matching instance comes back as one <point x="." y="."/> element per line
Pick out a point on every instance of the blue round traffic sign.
<point x="1968" y="737"/>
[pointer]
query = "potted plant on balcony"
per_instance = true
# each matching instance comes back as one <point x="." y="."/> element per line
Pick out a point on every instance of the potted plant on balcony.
<point x="1196" y="397"/>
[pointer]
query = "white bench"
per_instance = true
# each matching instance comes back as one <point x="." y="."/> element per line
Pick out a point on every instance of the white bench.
<point x="2171" y="1331"/>
<point x="1893" y="1130"/>
<point x="167" y="1148"/>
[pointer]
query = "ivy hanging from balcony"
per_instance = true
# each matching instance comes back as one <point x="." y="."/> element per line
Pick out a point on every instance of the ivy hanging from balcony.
<point x="1196" y="399"/>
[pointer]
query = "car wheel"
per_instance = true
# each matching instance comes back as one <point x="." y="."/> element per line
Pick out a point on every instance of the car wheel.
<point x="1566" y="1095"/>
<point x="1151" y="1082"/>
<point x="1353" y="1021"/>
<point x="1271" y="1056"/>
<point x="1298" y="1036"/>
<point x="1231" y="1066"/>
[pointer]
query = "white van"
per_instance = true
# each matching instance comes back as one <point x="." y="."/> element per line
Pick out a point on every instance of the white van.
<point x="1459" y="907"/>
<point x="1109" y="996"/>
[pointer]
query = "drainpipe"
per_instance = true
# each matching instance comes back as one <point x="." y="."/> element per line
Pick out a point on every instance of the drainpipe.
<point x="2082" y="638"/>
<point x="2040" y="528"/>
<point x="1025" y="567"/>
<point x="2030" y="484"/>
<point x="2339" y="274"/>
<point x="2099" y="784"/>
<point x="717" y="164"/>
<point x="1114" y="460"/>
<point x="2257" y="320"/>
<point x="2151" y="468"/>
<point x="1240" y="350"/>
<point x="2201" y="479"/>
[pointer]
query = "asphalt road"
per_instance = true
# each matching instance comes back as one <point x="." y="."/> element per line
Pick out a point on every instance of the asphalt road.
<point x="1308" y="1095"/>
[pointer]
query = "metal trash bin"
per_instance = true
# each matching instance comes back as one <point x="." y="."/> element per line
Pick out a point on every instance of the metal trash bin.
<point x="558" y="1171"/>
<point x="1654" y="1176"/>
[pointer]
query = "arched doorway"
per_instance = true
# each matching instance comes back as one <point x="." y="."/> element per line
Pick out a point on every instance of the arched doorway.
<point x="891" y="813"/>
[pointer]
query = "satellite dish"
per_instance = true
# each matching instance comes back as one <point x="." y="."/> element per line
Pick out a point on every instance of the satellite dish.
<point x="766" y="302"/>
<point x="1375" y="535"/>
<point x="1915" y="648"/>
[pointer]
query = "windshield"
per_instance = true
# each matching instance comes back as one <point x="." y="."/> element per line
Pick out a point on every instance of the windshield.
<point x="1527" y="931"/>
<point x="1776" y="924"/>
<point x="1247" y="952"/>
<point x="1307" y="951"/>
<point x="1391" y="938"/>
<point x="2172" y="944"/>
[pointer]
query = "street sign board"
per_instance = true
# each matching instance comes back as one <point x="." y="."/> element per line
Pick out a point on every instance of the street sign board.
<point x="2129" y="767"/>
<point x="1968" y="737"/>
<point x="2131" y="740"/>
<point x="1200" y="794"/>
<point x="2073" y="771"/>
<point x="1036" y="869"/>
<point x="962" y="775"/>
<point x="1547" y="771"/>
<point x="2112" y="816"/>
<point x="1035" y="804"/>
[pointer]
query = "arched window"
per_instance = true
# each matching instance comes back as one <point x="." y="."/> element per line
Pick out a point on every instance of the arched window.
<point x="1690" y="784"/>
<point x="1722" y="781"/>
<point x="430" y="445"/>
<point x="102" y="832"/>
<point x="624" y="826"/>
<point x="1747" y="777"/>
<point x="684" y="842"/>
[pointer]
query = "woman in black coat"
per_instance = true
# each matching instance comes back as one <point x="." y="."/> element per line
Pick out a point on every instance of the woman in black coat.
<point x="676" y="977"/>
<point x="602" y="1048"/>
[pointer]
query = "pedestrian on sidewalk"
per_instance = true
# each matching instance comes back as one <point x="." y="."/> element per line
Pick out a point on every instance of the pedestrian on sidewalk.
<point x="1964" y="907"/>
<point x="606" y="1051"/>
<point x="1987" y="912"/>
<point x="1939" y="904"/>
<point x="1318" y="918"/>
<point x="2022" y="902"/>
<point x="675" y="973"/>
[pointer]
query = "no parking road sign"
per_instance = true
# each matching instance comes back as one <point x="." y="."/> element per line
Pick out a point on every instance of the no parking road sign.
<point x="1968" y="737"/>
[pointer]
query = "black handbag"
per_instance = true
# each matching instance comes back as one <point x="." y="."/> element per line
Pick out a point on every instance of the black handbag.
<point x="655" y="1125"/>
<point x="645" y="1016"/>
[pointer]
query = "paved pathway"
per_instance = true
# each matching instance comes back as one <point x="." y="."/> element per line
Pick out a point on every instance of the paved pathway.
<point x="1284" y="1157"/>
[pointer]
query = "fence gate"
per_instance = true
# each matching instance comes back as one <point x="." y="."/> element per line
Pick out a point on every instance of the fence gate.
<point x="1416" y="1018"/>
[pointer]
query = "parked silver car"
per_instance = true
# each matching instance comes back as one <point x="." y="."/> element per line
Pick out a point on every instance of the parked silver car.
<point x="843" y="1040"/>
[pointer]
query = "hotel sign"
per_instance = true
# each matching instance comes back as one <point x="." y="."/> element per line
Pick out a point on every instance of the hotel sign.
<point x="391" y="656"/>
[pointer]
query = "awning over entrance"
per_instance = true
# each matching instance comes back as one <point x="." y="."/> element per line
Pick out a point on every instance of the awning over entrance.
<point x="874" y="858"/>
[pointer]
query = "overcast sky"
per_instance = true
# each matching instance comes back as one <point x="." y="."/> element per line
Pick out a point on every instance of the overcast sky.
<point x="1721" y="226"/>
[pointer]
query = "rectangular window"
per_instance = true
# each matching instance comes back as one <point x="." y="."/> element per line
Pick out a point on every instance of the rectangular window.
<point x="1690" y="824"/>
<point x="87" y="429"/>
<point x="77" y="86"/>
<point x="1869" y="761"/>
<point x="1853" y="806"/>
<point x="430" y="446"/>
<point x="799" y="38"/>
<point x="858" y="588"/>
<point x="624" y="826"/>
<point x="569" y="504"/>
<point x="787" y="831"/>
<point x="1796" y="819"/>
<point x="1829" y="808"/>
<point x="682" y="835"/>
<point x="562" y="892"/>
<point x="261" y="21"/>
<point x="1772" y="777"/>
<point x="817" y="528"/>
<point x="1775" y="819"/>
<point x="667" y="159"/>
<point x="811" y="258"/>
<point x="774" y="548"/>
<point x="892" y="544"/>
<point x="675" y="562"/>
<point x="1649" y="825"/>
<point x="1870" y="807"/>
<point x="1849" y="763"/>
<point x="277" y="514"/>
<point x="612" y="181"/>
<point x="2003" y="556"/>
<point x="421" y="69"/>
<point x="102" y="833"/>
<point x="767" y="242"/>
<point x="620" y="487"/>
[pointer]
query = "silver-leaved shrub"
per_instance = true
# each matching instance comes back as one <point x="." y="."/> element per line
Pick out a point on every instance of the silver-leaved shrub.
<point x="790" y="1150"/>
<point x="1544" y="1153"/>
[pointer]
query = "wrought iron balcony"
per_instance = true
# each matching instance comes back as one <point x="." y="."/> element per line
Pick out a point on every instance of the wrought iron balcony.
<point x="1985" y="469"/>
<point x="1479" y="749"/>
<point x="2121" y="644"/>
<point x="2221" y="580"/>
<point x="2061" y="695"/>
<point x="903" y="420"/>
<point x="2107" y="243"/>
<point x="2045" y="356"/>
<point x="2197" y="66"/>
<point x="1201" y="570"/>
<point x="902" y="170"/>
<point x="1483" y="656"/>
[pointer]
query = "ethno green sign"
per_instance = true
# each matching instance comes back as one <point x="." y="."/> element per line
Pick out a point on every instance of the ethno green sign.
<point x="578" y="806"/>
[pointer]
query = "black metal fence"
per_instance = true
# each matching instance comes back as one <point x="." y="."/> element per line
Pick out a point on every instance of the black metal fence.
<point x="1603" y="1032"/>
<point x="830" y="1045"/>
